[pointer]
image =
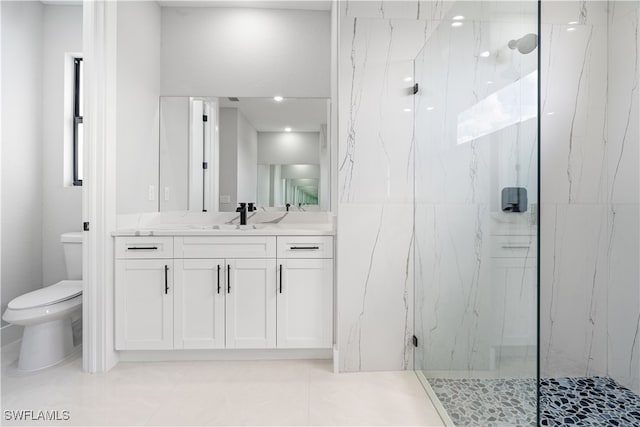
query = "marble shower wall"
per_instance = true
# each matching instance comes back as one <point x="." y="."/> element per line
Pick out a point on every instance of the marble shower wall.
<point x="589" y="208"/>
<point x="574" y="231"/>
<point x="472" y="303"/>
<point x="377" y="44"/>
<point x="623" y="142"/>
<point x="590" y="302"/>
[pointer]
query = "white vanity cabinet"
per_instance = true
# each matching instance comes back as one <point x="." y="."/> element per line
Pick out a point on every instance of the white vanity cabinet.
<point x="251" y="303"/>
<point x="215" y="292"/>
<point x="199" y="303"/>
<point x="144" y="294"/>
<point x="247" y="313"/>
<point x="305" y="291"/>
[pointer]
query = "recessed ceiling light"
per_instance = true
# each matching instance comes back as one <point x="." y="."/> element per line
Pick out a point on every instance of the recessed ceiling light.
<point x="458" y="18"/>
<point x="278" y="98"/>
<point x="485" y="54"/>
<point x="287" y="129"/>
<point x="573" y="23"/>
<point x="408" y="79"/>
<point x="407" y="110"/>
<point x="489" y="82"/>
<point x="430" y="108"/>
<point x="571" y="29"/>
<point x="551" y="113"/>
<point x="456" y="24"/>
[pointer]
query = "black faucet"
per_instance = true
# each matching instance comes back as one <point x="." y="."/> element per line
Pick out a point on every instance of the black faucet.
<point x="243" y="213"/>
<point x="252" y="207"/>
<point x="288" y="206"/>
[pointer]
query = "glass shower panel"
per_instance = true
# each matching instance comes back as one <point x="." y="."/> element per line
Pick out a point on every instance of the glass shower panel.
<point x="476" y="211"/>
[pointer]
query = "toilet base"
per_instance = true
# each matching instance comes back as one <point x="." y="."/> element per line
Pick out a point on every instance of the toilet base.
<point x="45" y="344"/>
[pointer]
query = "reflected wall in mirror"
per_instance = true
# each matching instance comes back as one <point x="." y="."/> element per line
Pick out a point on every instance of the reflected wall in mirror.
<point x="216" y="152"/>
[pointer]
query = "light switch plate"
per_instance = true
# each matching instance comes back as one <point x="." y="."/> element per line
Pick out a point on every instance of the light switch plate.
<point x="152" y="192"/>
<point x="225" y="199"/>
<point x="166" y="194"/>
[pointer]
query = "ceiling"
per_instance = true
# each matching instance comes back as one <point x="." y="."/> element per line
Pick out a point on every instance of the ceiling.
<point x="324" y="5"/>
<point x="267" y="115"/>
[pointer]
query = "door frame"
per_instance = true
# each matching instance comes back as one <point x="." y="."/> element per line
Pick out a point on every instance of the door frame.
<point x="99" y="184"/>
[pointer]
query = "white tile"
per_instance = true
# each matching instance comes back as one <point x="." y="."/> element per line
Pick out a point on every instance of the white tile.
<point x="573" y="311"/>
<point x="291" y="392"/>
<point x="382" y="398"/>
<point x="624" y="296"/>
<point x="573" y="122"/>
<point x="375" y="302"/>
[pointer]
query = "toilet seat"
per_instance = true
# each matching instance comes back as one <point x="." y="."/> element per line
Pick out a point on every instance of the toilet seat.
<point x="49" y="295"/>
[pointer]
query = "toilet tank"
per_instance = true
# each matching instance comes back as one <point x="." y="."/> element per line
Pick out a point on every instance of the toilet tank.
<point x="72" y="245"/>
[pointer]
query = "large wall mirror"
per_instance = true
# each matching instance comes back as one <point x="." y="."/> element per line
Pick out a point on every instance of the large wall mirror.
<point x="216" y="152"/>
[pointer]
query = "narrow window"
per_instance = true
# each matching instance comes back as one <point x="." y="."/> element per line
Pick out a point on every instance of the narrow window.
<point x="77" y="122"/>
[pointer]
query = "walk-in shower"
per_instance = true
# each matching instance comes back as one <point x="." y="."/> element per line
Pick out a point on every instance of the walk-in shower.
<point x="527" y="296"/>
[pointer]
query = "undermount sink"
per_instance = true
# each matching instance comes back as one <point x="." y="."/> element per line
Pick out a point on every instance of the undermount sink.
<point x="239" y="227"/>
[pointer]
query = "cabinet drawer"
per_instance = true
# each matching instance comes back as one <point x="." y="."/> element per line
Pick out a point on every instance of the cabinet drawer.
<point x="305" y="247"/>
<point x="144" y="247"/>
<point x="514" y="246"/>
<point x="225" y="247"/>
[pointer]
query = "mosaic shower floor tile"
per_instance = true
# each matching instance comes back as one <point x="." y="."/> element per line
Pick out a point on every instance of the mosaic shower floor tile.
<point x="488" y="402"/>
<point x="593" y="401"/>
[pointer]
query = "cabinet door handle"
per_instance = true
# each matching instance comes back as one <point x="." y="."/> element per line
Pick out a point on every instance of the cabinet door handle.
<point x="228" y="278"/>
<point x="142" y="248"/>
<point x="218" y="278"/>
<point x="280" y="278"/>
<point x="298" y="248"/>
<point x="166" y="279"/>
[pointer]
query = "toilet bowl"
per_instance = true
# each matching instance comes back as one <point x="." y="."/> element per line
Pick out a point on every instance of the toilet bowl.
<point x="46" y="313"/>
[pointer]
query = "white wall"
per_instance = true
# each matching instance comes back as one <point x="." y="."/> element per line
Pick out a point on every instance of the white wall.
<point x="61" y="203"/>
<point x="228" y="158"/>
<point x="265" y="183"/>
<point x="174" y="149"/>
<point x="325" y="170"/>
<point x="22" y="66"/>
<point x="245" y="52"/>
<point x="247" y="160"/>
<point x="138" y="89"/>
<point x="286" y="148"/>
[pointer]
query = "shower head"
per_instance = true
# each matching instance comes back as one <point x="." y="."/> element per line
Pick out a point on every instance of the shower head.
<point x="525" y="44"/>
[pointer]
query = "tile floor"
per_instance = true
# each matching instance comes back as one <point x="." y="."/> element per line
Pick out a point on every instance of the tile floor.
<point x="488" y="402"/>
<point x="590" y="401"/>
<point x="218" y="393"/>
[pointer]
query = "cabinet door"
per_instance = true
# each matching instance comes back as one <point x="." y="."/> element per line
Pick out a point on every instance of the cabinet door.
<point x="199" y="303"/>
<point x="251" y="303"/>
<point x="305" y="301"/>
<point x="144" y="304"/>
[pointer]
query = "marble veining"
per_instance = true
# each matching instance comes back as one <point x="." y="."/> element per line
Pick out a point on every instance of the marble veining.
<point x="357" y="328"/>
<point x="585" y="312"/>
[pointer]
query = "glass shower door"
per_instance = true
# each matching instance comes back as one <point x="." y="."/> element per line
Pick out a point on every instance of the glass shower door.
<point x="476" y="214"/>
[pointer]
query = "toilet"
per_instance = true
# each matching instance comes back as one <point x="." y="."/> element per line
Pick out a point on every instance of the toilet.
<point x="47" y="313"/>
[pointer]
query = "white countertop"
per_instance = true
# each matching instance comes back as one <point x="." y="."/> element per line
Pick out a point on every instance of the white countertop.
<point x="229" y="230"/>
<point x="260" y="223"/>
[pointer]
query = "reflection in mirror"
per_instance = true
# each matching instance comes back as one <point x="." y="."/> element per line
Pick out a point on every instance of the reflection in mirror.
<point x="216" y="152"/>
<point x="296" y="185"/>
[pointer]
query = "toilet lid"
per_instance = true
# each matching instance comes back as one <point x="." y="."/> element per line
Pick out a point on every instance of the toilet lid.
<point x="48" y="295"/>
